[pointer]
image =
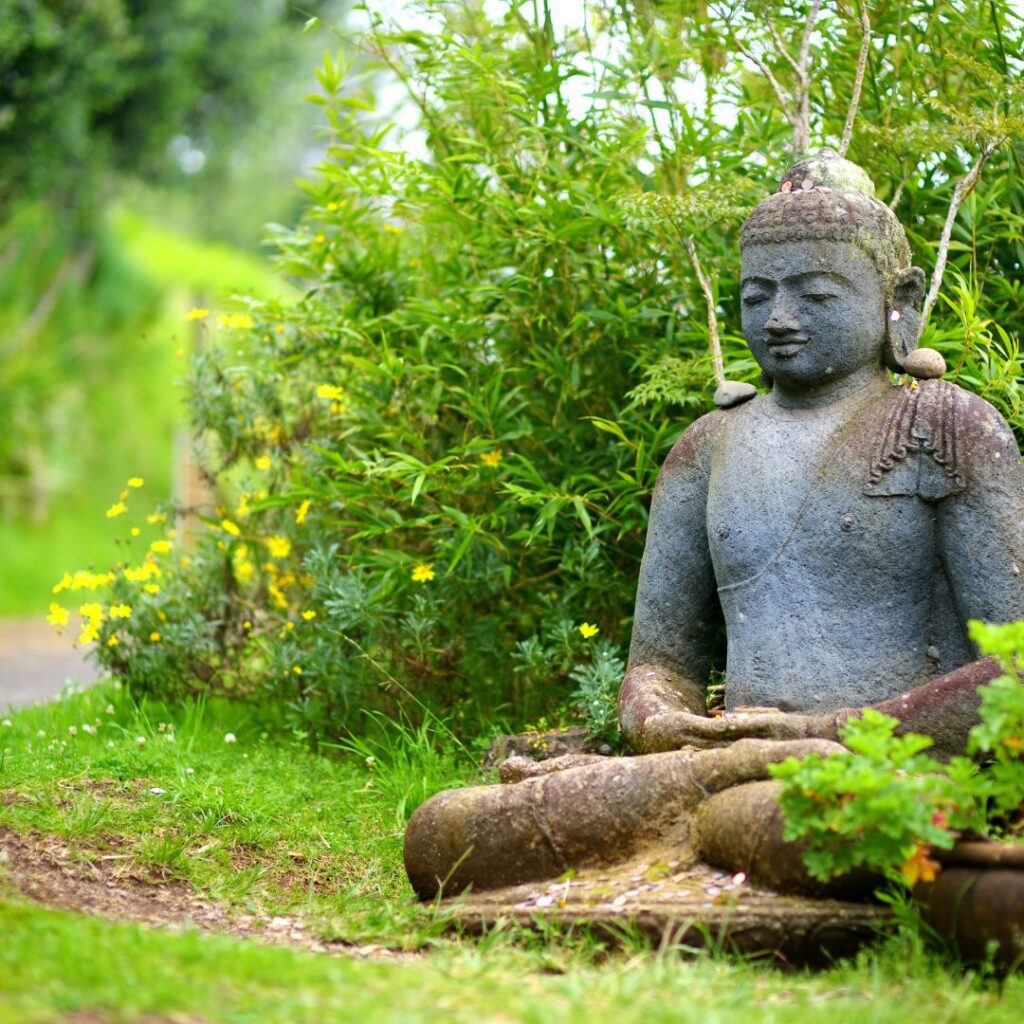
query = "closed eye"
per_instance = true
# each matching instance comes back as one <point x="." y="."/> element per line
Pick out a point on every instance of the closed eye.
<point x="754" y="300"/>
<point x="818" y="296"/>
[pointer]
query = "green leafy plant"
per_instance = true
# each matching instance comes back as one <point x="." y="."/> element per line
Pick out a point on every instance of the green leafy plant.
<point x="884" y="803"/>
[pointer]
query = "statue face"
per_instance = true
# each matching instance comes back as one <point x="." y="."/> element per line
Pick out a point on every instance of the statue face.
<point x="812" y="311"/>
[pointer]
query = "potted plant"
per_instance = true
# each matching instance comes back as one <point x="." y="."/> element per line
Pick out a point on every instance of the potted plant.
<point x="952" y="833"/>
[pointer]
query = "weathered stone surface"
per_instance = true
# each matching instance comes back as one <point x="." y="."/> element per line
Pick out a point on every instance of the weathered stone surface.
<point x="516" y="768"/>
<point x="540" y="746"/>
<point x="733" y="392"/>
<point x="688" y="906"/>
<point x="595" y="815"/>
<point x="925" y="364"/>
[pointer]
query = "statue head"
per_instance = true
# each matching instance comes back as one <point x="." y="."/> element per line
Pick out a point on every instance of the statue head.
<point x="827" y="286"/>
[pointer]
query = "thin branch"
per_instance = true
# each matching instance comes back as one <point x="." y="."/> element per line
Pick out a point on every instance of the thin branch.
<point x="858" y="78"/>
<point x="802" y="134"/>
<point x="963" y="188"/>
<point x="780" y="94"/>
<point x="782" y="48"/>
<point x="714" y="343"/>
<point x="898" y="194"/>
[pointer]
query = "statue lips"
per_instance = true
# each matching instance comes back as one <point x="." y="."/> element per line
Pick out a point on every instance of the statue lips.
<point x="786" y="347"/>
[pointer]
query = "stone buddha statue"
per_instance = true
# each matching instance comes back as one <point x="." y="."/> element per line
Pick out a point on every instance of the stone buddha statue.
<point x="842" y="529"/>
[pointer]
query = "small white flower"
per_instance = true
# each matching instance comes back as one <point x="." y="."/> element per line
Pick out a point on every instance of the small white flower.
<point x="169" y="736"/>
<point x="116" y="684"/>
<point x="88" y="729"/>
<point x="7" y="723"/>
<point x="162" y="727"/>
<point x="110" y="709"/>
<point x="371" y="761"/>
<point x="190" y="771"/>
<point x="157" y="790"/>
<point x="72" y="730"/>
<point x="229" y="737"/>
<point x="110" y="743"/>
<point x="140" y="741"/>
<point x="41" y="734"/>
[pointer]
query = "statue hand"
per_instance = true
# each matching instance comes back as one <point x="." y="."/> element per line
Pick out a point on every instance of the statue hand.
<point x="672" y="730"/>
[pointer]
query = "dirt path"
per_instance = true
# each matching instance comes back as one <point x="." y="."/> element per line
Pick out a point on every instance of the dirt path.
<point x="111" y="885"/>
<point x="35" y="662"/>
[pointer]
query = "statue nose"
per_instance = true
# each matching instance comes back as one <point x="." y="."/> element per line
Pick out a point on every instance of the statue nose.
<point x="781" y="321"/>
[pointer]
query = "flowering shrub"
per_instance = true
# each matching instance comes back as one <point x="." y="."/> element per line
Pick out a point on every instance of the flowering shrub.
<point x="430" y="475"/>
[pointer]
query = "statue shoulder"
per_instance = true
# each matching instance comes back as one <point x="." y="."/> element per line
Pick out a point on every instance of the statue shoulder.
<point x="932" y="438"/>
<point x="693" y="449"/>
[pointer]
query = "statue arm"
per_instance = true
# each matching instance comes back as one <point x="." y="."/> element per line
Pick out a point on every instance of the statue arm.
<point x="980" y="529"/>
<point x="677" y="615"/>
<point x="980" y="533"/>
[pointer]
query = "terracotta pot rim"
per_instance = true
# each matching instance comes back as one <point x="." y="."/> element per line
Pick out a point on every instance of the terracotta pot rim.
<point x="983" y="853"/>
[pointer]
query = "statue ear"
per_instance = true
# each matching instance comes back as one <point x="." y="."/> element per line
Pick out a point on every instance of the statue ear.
<point x="903" y="316"/>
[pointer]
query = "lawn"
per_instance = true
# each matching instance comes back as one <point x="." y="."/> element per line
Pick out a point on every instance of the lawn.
<point x="289" y="862"/>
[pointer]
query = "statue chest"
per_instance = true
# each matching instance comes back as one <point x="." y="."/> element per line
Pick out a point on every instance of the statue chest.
<point x="789" y="495"/>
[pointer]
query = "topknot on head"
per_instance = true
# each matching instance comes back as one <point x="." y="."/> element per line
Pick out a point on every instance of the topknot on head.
<point x="827" y="170"/>
<point x="827" y="198"/>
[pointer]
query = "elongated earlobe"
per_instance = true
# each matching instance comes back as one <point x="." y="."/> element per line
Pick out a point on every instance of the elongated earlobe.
<point x="903" y="317"/>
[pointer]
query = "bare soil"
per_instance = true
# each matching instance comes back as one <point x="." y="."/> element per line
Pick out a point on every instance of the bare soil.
<point x="111" y="885"/>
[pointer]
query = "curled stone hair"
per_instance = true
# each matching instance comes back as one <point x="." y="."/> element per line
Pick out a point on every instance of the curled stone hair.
<point x="827" y="198"/>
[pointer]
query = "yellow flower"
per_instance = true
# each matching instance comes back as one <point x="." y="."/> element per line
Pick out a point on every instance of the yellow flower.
<point x="136" y="481"/>
<point x="195" y="313"/>
<point x="331" y="391"/>
<point x="136" y="531"/>
<point x="93" y="611"/>
<point x="264" y="462"/>
<point x="229" y="527"/>
<point x="307" y="615"/>
<point x="120" y="611"/>
<point x="88" y="635"/>
<point x="394" y="229"/>
<point x="320" y="239"/>
<point x="297" y="669"/>
<point x="156" y="517"/>
<point x="279" y="328"/>
<point x="116" y="510"/>
<point x="113" y="641"/>
<point x="144" y="572"/>
<point x="587" y="630"/>
<point x="154" y="637"/>
<point x="160" y="547"/>
<point x="302" y="511"/>
<point x="491" y="458"/>
<point x="58" y="616"/>
<point x="236" y="320"/>
<point x="279" y="547"/>
<point x="423" y="573"/>
<point x="151" y="588"/>
<point x="243" y="507"/>
<point x="64" y="583"/>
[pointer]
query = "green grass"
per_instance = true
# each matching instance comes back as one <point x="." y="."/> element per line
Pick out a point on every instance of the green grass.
<point x="266" y="826"/>
<point x="130" y="971"/>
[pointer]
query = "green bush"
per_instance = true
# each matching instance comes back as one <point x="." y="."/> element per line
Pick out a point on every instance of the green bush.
<point x="433" y="469"/>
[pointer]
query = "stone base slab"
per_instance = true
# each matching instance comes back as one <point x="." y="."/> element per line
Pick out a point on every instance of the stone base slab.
<point x="691" y="907"/>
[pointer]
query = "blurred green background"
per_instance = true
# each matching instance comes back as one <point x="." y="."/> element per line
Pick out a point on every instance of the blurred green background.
<point x="144" y="148"/>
